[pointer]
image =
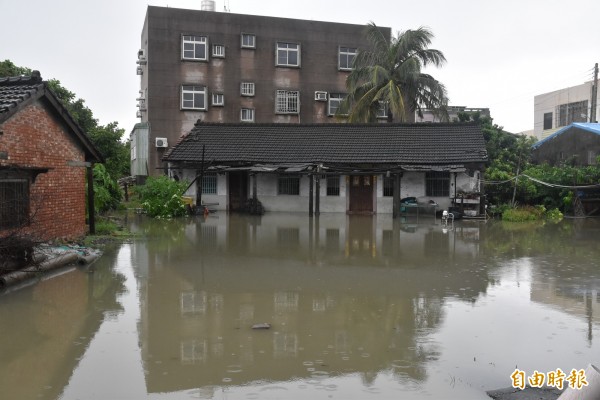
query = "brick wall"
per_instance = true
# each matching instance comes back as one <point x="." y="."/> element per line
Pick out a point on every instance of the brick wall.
<point x="34" y="137"/>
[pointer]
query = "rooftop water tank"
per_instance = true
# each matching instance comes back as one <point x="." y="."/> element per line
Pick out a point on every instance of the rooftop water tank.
<point x="207" y="5"/>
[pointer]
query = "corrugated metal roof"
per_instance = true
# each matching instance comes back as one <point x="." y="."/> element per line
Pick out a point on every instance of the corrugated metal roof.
<point x="586" y="126"/>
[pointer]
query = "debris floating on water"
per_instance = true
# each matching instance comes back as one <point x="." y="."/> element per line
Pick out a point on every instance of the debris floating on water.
<point x="264" y="325"/>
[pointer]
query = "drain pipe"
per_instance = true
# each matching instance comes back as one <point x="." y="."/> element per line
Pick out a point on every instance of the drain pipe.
<point x="589" y="392"/>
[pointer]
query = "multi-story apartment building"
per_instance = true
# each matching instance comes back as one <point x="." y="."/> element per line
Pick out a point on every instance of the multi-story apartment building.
<point x="563" y="107"/>
<point x="230" y="68"/>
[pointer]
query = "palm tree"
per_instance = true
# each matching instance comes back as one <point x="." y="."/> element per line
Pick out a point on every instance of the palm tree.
<point x="387" y="78"/>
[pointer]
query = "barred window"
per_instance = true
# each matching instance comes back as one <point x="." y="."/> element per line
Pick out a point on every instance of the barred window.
<point x="437" y="184"/>
<point x="14" y="202"/>
<point x="247" y="89"/>
<point x="247" y="115"/>
<point x="388" y="186"/>
<point x="288" y="184"/>
<point x="333" y="186"/>
<point x="218" y="50"/>
<point x="218" y="99"/>
<point x="287" y="102"/>
<point x="209" y="183"/>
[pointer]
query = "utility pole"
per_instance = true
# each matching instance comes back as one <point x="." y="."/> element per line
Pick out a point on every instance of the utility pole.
<point x="594" y="95"/>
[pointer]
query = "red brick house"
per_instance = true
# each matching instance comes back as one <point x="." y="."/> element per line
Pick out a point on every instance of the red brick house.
<point x="44" y="155"/>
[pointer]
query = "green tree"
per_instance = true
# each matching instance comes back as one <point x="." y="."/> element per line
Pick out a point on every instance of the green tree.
<point x="107" y="139"/>
<point x="389" y="75"/>
<point x="7" y="68"/>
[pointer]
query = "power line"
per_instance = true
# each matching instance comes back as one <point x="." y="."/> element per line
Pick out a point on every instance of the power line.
<point x="552" y="185"/>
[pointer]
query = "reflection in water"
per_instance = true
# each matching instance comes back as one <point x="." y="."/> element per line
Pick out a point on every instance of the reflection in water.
<point x="358" y="306"/>
<point x="47" y="327"/>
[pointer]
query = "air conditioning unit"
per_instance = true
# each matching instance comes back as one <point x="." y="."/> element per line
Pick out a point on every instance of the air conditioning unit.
<point x="141" y="54"/>
<point x="138" y="114"/>
<point x="161" y="142"/>
<point x="142" y="104"/>
<point x="320" y="96"/>
<point x="139" y="70"/>
<point x="142" y="95"/>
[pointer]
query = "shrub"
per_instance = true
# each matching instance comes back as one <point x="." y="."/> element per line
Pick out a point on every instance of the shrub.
<point x="526" y="213"/>
<point x="529" y="213"/>
<point x="107" y="193"/>
<point x="105" y="227"/>
<point x="161" y="197"/>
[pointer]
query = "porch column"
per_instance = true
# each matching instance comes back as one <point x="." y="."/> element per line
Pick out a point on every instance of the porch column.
<point x="318" y="196"/>
<point x="396" y="199"/>
<point x="254" y="186"/>
<point x="310" y="194"/>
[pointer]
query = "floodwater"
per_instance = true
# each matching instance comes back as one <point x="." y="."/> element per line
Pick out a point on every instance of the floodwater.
<point x="359" y="307"/>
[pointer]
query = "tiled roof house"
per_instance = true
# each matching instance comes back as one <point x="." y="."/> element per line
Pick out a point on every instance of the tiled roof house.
<point x="357" y="168"/>
<point x="43" y="159"/>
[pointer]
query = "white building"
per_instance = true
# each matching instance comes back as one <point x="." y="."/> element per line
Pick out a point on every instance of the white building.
<point x="560" y="108"/>
<point x="350" y="168"/>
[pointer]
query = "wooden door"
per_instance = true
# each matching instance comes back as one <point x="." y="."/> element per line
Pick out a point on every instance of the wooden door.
<point x="361" y="194"/>
<point x="238" y="190"/>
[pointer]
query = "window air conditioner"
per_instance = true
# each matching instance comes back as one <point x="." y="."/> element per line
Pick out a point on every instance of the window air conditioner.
<point x="320" y="96"/>
<point x="141" y="54"/>
<point x="138" y="114"/>
<point x="161" y="142"/>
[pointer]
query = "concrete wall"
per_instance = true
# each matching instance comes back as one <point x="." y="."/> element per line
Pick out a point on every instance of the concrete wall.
<point x="412" y="185"/>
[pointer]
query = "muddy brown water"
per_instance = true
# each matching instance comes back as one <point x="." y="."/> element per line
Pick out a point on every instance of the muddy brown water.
<point x="359" y="308"/>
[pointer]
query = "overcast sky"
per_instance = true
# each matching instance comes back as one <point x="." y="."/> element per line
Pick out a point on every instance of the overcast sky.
<point x="500" y="54"/>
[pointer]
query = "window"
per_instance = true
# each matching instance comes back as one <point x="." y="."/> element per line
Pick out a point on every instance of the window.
<point x="591" y="157"/>
<point x="382" y="111"/>
<point x="437" y="184"/>
<point x="14" y="201"/>
<point x="388" y="186"/>
<point x="287" y="102"/>
<point x="288" y="54"/>
<point x="247" y="115"/>
<point x="218" y="99"/>
<point x="288" y="184"/>
<point x="333" y="186"/>
<point x="335" y="100"/>
<point x="346" y="57"/>
<point x="248" y="41"/>
<point x="247" y="89"/>
<point x="193" y="97"/>
<point x="194" y="48"/>
<point x="209" y="183"/>
<point x="133" y="152"/>
<point x="547" y="120"/>
<point x="566" y="114"/>
<point x="218" y="50"/>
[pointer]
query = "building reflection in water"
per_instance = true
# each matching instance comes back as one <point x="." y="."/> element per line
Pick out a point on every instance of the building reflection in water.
<point x="343" y="295"/>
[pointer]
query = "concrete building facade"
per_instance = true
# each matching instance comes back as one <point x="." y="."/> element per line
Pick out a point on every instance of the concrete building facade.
<point x="561" y="108"/>
<point x="230" y="68"/>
